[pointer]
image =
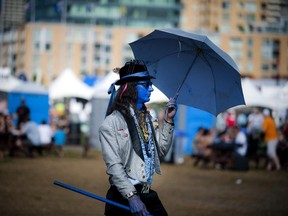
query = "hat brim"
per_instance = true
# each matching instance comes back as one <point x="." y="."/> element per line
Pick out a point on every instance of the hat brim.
<point x="133" y="79"/>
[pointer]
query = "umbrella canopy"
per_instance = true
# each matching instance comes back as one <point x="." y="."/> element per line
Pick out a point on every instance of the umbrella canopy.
<point x="192" y="67"/>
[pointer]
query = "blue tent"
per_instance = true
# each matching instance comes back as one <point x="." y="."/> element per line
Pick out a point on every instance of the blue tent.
<point x="36" y="98"/>
<point x="188" y="120"/>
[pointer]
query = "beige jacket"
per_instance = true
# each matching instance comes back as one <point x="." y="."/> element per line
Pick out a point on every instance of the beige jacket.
<point x="120" y="156"/>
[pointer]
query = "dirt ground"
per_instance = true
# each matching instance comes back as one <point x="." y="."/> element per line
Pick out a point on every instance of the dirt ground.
<point x="27" y="189"/>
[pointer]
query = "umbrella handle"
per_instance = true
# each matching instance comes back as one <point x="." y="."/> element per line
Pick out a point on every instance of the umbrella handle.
<point x="176" y="96"/>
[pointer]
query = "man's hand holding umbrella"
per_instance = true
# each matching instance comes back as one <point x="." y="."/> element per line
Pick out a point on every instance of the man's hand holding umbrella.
<point x="171" y="109"/>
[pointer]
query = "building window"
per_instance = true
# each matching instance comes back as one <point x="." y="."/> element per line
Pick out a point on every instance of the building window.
<point x="240" y="4"/>
<point x="226" y="5"/>
<point x="107" y="49"/>
<point x="236" y="54"/>
<point x="250" y="42"/>
<point x="224" y="28"/>
<point x="249" y="67"/>
<point x="97" y="46"/>
<point x="250" y="6"/>
<point x="97" y="59"/>
<point x="251" y="18"/>
<point x="83" y="60"/>
<point x="249" y="54"/>
<point x="225" y="16"/>
<point x="265" y="67"/>
<point x="42" y="39"/>
<point x="267" y="49"/>
<point x="84" y="47"/>
<point x="47" y="46"/>
<point x="236" y="42"/>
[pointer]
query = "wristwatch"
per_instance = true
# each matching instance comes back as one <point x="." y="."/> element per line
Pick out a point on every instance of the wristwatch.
<point x="132" y="193"/>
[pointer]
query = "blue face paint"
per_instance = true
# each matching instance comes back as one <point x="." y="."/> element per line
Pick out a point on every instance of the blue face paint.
<point x="144" y="89"/>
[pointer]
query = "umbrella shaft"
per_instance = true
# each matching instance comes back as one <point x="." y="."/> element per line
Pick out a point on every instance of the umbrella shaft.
<point x="180" y="86"/>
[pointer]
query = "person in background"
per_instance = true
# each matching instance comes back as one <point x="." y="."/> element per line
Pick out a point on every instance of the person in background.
<point x="254" y="126"/>
<point x="231" y="118"/>
<point x="22" y="112"/>
<point x="30" y="136"/>
<point x="254" y="135"/>
<point x="130" y="147"/>
<point x="46" y="134"/>
<point x="201" y="143"/>
<point x="238" y="137"/>
<point x="271" y="139"/>
<point x="59" y="140"/>
<point x="2" y="135"/>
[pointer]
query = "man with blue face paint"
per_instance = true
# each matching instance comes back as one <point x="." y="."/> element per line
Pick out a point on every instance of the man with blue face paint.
<point x="133" y="144"/>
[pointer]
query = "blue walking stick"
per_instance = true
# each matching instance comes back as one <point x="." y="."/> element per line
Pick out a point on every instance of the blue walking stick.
<point x="92" y="195"/>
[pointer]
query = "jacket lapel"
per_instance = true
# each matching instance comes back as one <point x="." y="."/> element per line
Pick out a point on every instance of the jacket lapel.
<point x="134" y="135"/>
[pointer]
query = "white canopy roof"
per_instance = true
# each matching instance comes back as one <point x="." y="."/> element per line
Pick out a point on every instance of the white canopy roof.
<point x="7" y="84"/>
<point x="277" y="97"/>
<point x="252" y="95"/>
<point x="67" y="84"/>
<point x="30" y="87"/>
<point x="101" y="87"/>
<point x="12" y="84"/>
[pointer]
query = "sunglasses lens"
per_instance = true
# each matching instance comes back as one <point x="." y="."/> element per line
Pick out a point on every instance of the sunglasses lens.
<point x="145" y="84"/>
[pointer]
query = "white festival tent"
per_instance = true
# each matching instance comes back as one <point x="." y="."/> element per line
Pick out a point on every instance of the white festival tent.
<point x="29" y="87"/>
<point x="7" y="84"/>
<point x="253" y="96"/>
<point x="67" y="84"/>
<point x="100" y="100"/>
<point x="277" y="97"/>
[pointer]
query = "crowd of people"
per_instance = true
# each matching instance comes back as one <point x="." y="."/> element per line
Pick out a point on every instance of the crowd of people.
<point x="27" y="137"/>
<point x="236" y="140"/>
<point x="241" y="139"/>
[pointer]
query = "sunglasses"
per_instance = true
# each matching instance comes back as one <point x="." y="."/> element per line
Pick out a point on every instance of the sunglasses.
<point x="146" y="85"/>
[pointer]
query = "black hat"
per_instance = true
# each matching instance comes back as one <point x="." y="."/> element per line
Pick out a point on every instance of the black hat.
<point x="133" y="71"/>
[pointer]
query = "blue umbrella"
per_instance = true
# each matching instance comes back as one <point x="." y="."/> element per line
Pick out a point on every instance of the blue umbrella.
<point x="191" y="68"/>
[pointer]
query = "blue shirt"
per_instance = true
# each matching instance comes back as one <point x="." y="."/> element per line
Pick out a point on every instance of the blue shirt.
<point x="59" y="137"/>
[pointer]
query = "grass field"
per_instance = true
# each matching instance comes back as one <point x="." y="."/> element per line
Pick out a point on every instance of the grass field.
<point x="26" y="188"/>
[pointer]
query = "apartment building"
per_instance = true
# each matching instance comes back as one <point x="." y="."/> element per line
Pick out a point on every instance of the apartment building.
<point x="89" y="36"/>
<point x="92" y="36"/>
<point x="253" y="32"/>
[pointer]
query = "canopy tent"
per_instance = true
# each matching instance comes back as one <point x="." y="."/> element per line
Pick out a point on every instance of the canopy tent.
<point x="252" y="95"/>
<point x="277" y="97"/>
<point x="67" y="84"/>
<point x="29" y="88"/>
<point x="102" y="85"/>
<point x="7" y="84"/>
